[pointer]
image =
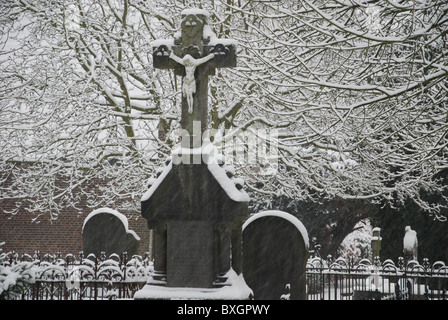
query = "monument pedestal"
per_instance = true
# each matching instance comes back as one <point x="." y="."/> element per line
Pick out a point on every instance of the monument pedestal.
<point x="235" y="288"/>
<point x="196" y="211"/>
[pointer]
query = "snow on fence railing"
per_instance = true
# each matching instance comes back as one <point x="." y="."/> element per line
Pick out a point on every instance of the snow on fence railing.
<point x="344" y="280"/>
<point x="79" y="277"/>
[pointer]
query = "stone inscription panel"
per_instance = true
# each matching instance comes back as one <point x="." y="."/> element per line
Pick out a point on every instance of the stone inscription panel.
<point x="190" y="254"/>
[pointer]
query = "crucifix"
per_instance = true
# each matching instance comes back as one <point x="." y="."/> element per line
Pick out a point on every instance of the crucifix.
<point x="194" y="54"/>
<point x="189" y="81"/>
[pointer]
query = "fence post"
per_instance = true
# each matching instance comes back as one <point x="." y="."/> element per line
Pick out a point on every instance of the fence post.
<point x="81" y="261"/>
<point x="123" y="286"/>
<point x="427" y="270"/>
<point x="95" y="280"/>
<point x="35" y="290"/>
<point x="329" y="257"/>
<point x="403" y="268"/>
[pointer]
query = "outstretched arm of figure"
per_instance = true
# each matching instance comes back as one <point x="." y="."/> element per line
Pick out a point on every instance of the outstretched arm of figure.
<point x="176" y="58"/>
<point x="200" y="61"/>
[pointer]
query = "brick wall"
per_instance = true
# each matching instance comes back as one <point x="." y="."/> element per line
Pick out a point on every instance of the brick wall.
<point x="23" y="235"/>
<point x="64" y="234"/>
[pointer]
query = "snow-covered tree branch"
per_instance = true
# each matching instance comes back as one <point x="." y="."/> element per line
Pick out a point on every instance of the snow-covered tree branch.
<point x="356" y="89"/>
<point x="79" y="93"/>
<point x="360" y="90"/>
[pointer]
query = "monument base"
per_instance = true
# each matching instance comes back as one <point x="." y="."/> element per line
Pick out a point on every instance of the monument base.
<point x="235" y="288"/>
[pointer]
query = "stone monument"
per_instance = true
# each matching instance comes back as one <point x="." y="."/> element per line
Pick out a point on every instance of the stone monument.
<point x="275" y="252"/>
<point x="194" y="206"/>
<point x="106" y="230"/>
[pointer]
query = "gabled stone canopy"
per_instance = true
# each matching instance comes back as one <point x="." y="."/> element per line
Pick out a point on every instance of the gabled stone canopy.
<point x="205" y="191"/>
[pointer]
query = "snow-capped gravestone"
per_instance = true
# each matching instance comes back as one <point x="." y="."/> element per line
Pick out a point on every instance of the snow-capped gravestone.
<point x="106" y="230"/>
<point x="275" y="252"/>
<point x="194" y="206"/>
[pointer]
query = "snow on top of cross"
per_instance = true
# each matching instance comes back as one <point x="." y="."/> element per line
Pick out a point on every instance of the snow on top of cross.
<point x="281" y="214"/>
<point x="195" y="11"/>
<point x="119" y="215"/>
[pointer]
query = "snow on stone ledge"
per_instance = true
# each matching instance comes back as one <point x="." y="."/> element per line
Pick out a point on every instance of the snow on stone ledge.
<point x="169" y="43"/>
<point x="228" y="184"/>
<point x="156" y="182"/>
<point x="119" y="215"/>
<point x="209" y="155"/>
<point x="236" y="290"/>
<point x="214" y="40"/>
<point x="281" y="214"/>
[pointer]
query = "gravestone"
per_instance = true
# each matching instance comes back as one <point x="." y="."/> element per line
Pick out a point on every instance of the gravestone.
<point x="106" y="230"/>
<point x="194" y="205"/>
<point x="275" y="252"/>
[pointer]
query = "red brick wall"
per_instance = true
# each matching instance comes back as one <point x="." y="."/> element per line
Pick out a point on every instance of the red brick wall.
<point x="63" y="235"/>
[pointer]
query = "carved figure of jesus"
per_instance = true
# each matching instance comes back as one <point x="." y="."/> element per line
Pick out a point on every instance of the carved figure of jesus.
<point x="189" y="82"/>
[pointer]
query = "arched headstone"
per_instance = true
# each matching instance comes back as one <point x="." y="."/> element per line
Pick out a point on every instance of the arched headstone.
<point x="106" y="230"/>
<point x="275" y="252"/>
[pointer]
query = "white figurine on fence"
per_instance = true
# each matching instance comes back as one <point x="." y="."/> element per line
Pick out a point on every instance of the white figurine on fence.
<point x="410" y="244"/>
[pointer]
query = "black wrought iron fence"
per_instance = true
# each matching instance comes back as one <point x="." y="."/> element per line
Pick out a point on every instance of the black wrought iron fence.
<point x="83" y="278"/>
<point x="119" y="277"/>
<point x="343" y="280"/>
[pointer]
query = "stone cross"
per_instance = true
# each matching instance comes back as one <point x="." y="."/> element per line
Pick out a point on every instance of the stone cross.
<point x="194" y="54"/>
<point x="195" y="209"/>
